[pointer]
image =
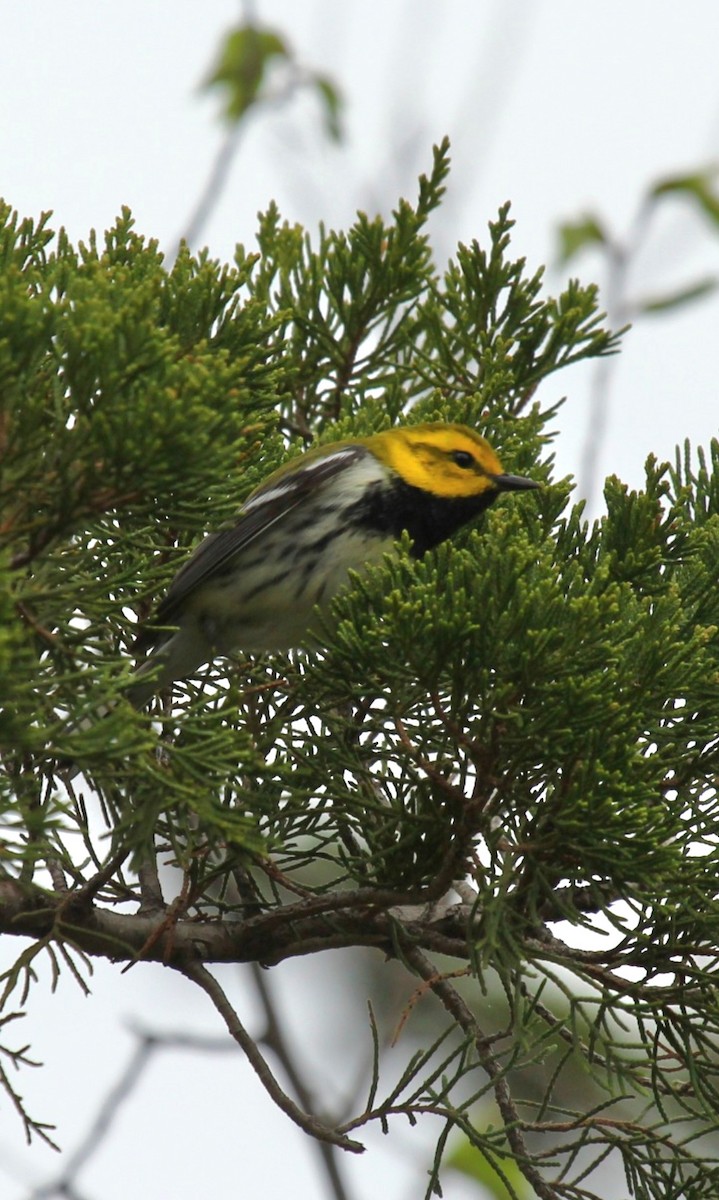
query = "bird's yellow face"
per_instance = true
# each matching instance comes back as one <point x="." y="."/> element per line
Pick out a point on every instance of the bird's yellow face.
<point x="447" y="460"/>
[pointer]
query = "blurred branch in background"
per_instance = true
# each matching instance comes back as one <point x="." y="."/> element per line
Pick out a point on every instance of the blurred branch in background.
<point x="275" y="1038"/>
<point x="623" y="305"/>
<point x="66" y="1185"/>
<point x="255" y="69"/>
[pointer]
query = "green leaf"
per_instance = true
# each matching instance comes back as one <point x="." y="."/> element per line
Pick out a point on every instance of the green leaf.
<point x="575" y="236"/>
<point x="473" y="1164"/>
<point x="242" y="66"/>
<point x="699" y="186"/>
<point x="332" y="105"/>
<point x="694" y="291"/>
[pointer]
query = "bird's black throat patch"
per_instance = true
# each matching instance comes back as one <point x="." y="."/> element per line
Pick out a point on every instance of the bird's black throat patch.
<point x="427" y="518"/>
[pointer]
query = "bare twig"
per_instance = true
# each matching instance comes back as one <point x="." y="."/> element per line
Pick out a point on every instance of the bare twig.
<point x="165" y="930"/>
<point x="620" y="256"/>
<point x="150" y="887"/>
<point x="87" y="893"/>
<point x="311" y="1125"/>
<point x="274" y="1038"/>
<point x="214" y="186"/>
<point x="219" y="172"/>
<point x="56" y="873"/>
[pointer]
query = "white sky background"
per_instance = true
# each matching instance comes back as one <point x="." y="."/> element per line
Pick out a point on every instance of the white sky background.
<point x="560" y="107"/>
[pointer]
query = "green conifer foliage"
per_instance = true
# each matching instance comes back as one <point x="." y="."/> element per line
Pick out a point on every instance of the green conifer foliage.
<point x="531" y="710"/>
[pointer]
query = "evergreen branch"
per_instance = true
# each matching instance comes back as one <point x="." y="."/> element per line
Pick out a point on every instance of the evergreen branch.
<point x="458" y="1010"/>
<point x="532" y="705"/>
<point x="20" y="1058"/>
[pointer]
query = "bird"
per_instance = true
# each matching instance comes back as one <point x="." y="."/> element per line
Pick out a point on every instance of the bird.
<point x="340" y="507"/>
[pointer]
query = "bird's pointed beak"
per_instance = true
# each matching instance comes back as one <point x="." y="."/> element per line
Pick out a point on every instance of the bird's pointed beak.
<point x="514" y="483"/>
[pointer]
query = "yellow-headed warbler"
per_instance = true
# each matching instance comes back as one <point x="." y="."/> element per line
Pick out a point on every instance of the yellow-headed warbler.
<point x="337" y="508"/>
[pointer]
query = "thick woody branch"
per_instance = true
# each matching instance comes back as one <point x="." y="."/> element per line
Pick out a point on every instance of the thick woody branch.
<point x="357" y="918"/>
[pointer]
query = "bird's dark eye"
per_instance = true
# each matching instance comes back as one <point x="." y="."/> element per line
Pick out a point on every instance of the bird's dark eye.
<point x="462" y="458"/>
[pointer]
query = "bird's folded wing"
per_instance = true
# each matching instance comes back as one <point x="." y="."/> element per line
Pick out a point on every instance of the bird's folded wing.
<point x="270" y="504"/>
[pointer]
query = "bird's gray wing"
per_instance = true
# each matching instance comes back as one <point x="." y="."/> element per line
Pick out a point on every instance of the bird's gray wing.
<point x="270" y="504"/>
